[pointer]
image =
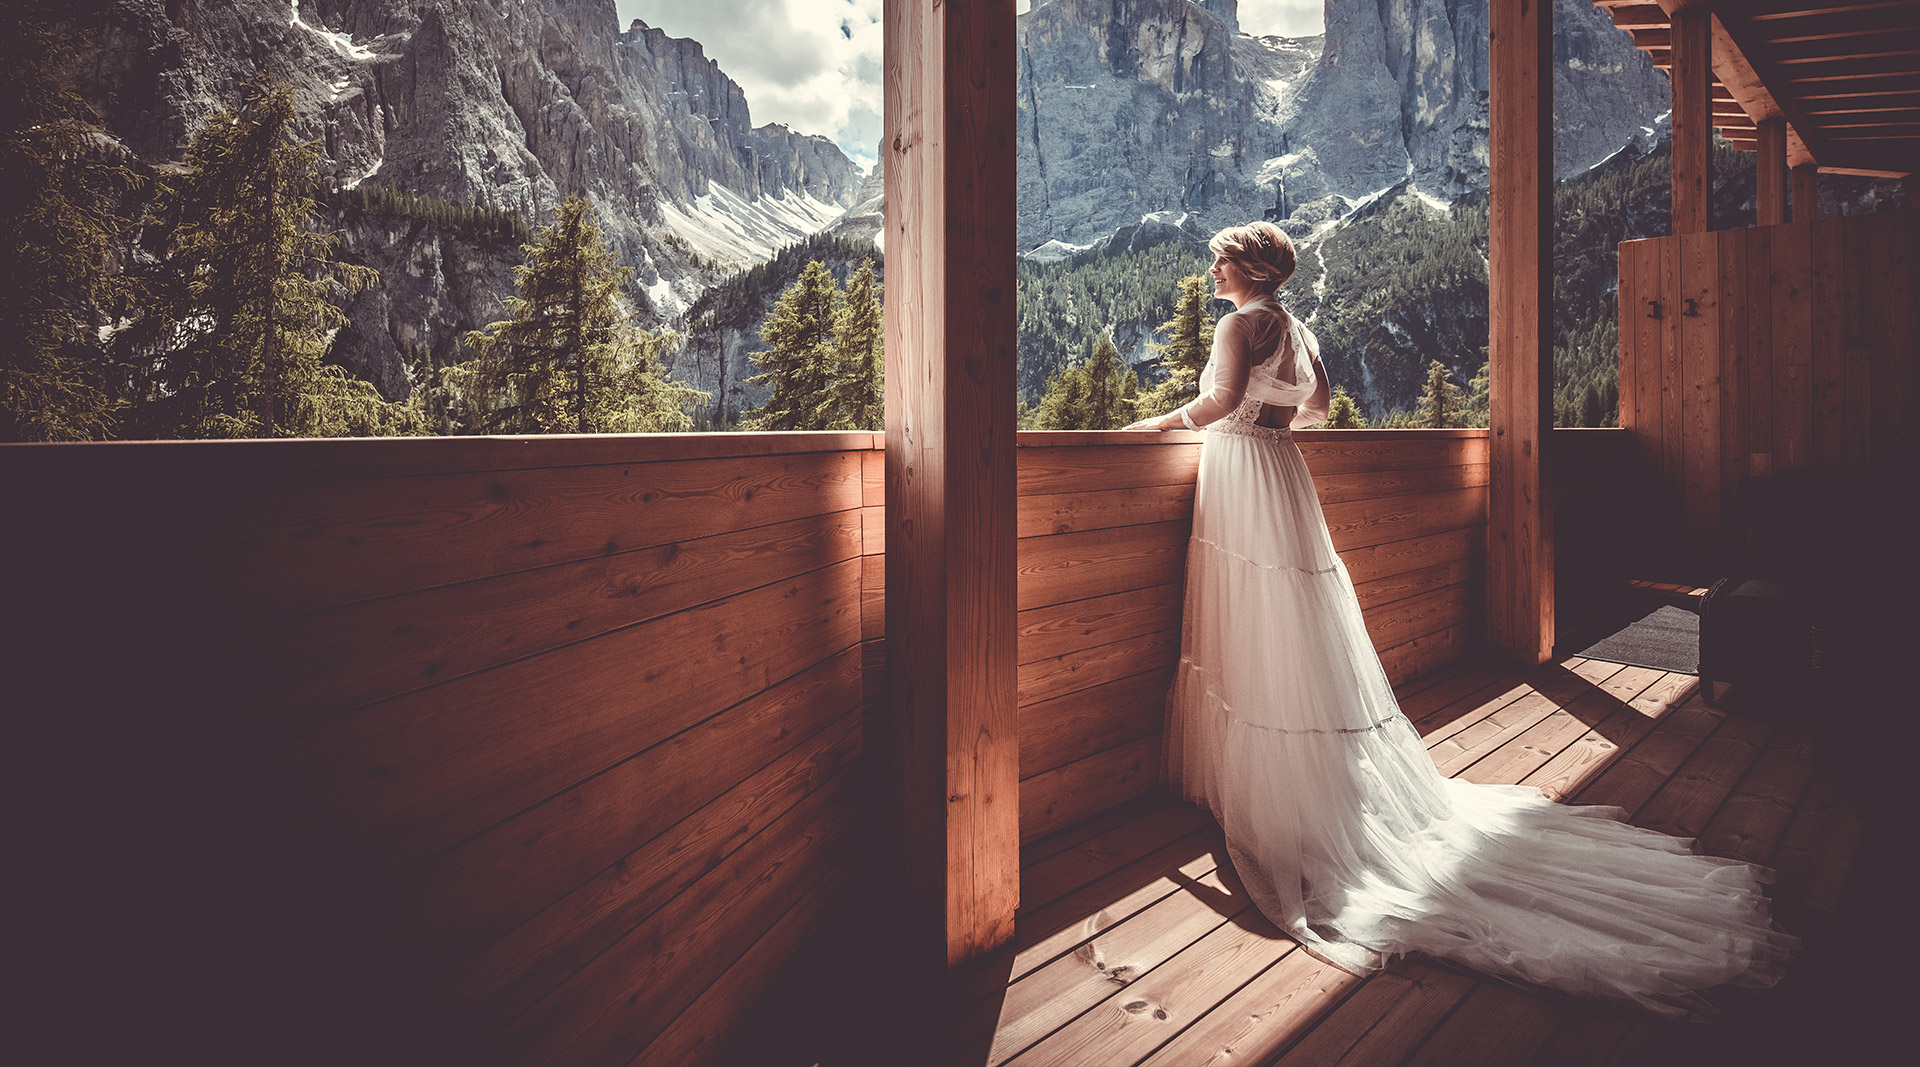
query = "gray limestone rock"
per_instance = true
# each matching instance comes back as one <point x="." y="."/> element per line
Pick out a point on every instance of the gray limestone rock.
<point x="507" y="104"/>
<point x="1131" y="107"/>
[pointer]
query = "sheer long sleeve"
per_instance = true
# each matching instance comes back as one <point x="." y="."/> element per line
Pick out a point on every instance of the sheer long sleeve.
<point x="1224" y="383"/>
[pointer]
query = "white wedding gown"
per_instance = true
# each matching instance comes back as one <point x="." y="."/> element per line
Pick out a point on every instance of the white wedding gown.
<point x="1282" y="722"/>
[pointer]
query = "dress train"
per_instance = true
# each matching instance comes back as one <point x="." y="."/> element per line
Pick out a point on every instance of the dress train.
<point x="1282" y="722"/>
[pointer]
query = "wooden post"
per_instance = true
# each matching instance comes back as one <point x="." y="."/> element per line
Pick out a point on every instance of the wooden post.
<point x="1770" y="173"/>
<point x="1806" y="192"/>
<point x="1692" y="118"/>
<point x="1520" y="277"/>
<point x="950" y="343"/>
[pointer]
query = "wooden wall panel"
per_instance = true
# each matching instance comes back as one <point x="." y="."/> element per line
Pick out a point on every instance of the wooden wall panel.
<point x="495" y="715"/>
<point x="1102" y="560"/>
<point x="1803" y="356"/>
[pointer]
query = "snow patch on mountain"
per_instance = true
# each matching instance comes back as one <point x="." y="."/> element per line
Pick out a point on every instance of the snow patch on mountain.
<point x="736" y="232"/>
<point x="340" y="42"/>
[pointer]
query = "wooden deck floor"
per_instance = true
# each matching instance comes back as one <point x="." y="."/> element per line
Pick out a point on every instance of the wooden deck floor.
<point x="1135" y="944"/>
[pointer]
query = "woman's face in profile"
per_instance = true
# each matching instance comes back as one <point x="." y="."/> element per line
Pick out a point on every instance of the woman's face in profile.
<point x="1228" y="279"/>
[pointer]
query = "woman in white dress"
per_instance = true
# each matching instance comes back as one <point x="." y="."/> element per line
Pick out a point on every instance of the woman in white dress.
<point x="1282" y="722"/>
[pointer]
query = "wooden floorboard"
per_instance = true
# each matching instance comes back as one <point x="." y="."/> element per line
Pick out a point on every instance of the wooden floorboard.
<point x="1136" y="946"/>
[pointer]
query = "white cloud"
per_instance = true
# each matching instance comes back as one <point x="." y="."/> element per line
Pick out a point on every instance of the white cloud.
<point x="1284" y="18"/>
<point x="812" y="65"/>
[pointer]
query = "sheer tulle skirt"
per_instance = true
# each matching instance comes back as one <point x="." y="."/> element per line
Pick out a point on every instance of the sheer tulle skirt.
<point x="1282" y="722"/>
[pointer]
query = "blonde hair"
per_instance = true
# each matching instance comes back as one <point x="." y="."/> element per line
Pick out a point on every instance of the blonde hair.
<point x="1261" y="250"/>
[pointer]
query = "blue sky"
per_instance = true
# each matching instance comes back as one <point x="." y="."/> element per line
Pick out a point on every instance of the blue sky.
<point x="814" y="65"/>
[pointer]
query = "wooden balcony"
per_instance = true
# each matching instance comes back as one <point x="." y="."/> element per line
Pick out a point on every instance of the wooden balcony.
<point x="550" y="750"/>
<point x="556" y="750"/>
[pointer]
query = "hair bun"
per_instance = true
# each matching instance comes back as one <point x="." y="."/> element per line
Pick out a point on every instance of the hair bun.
<point x="1261" y="250"/>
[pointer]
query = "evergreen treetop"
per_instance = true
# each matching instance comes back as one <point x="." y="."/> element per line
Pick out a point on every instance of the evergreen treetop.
<point x="240" y="301"/>
<point x="570" y="360"/>
<point x="798" y="362"/>
<point x="1184" y="353"/>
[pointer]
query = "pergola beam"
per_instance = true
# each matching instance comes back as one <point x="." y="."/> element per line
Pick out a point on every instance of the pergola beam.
<point x="1520" y="559"/>
<point x="1770" y="173"/>
<point x="1692" y="118"/>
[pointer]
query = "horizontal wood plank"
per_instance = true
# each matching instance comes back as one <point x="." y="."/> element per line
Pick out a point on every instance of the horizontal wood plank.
<point x="1046" y="679"/>
<point x="1076" y="566"/>
<point x="1339" y="487"/>
<point x="624" y="998"/>
<point x="1058" y="731"/>
<point x="1055" y="874"/>
<point x="408" y="776"/>
<point x="1413" y="659"/>
<point x="1068" y="794"/>
<point x="1359" y="523"/>
<point x="1057" y="513"/>
<point x="1381" y="450"/>
<point x="1055" y="630"/>
<point x="709" y="1027"/>
<point x="1416" y="616"/>
<point x="1374" y="562"/>
<point x="514" y="972"/>
<point x="468" y="895"/>
<point x="340" y="658"/>
<point x="1043" y="471"/>
<point x="294" y="548"/>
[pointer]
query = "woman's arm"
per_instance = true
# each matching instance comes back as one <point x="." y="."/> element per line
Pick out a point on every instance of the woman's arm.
<point x="1230" y="364"/>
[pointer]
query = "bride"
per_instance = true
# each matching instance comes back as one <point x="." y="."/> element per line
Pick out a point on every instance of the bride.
<point x="1282" y="722"/>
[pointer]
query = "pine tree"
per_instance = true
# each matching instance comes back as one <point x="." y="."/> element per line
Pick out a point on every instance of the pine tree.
<point x="240" y="307"/>
<point x="1184" y="353"/>
<point x="1064" y="405"/>
<point x="570" y="360"/>
<point x="1479" y="400"/>
<point x="1440" y="401"/>
<point x="1343" y="413"/>
<point x="1105" y="386"/>
<point x="61" y="223"/>
<point x="855" y="395"/>
<point x="797" y="364"/>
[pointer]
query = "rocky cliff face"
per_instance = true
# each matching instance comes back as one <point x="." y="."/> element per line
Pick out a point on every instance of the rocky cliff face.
<point x="508" y="104"/>
<point x="1130" y="107"/>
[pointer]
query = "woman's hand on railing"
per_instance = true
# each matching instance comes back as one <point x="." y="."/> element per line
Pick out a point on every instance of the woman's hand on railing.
<point x="1168" y="421"/>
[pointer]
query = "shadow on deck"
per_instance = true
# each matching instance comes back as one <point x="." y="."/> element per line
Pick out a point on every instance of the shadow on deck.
<point x="1137" y="946"/>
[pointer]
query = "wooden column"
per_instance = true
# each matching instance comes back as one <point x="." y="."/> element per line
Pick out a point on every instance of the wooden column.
<point x="1520" y="266"/>
<point x="1692" y="118"/>
<point x="1806" y="192"/>
<point x="1770" y="173"/>
<point x="950" y="343"/>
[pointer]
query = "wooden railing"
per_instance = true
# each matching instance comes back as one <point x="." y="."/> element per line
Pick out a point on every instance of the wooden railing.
<point x="1103" y="537"/>
<point x="546" y="746"/>
<point x="569" y="720"/>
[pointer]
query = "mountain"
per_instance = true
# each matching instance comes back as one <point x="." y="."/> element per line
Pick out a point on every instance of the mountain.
<point x="508" y="107"/>
<point x="1135" y="107"/>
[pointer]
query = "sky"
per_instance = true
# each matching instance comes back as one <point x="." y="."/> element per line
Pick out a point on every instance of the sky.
<point x="814" y="65"/>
